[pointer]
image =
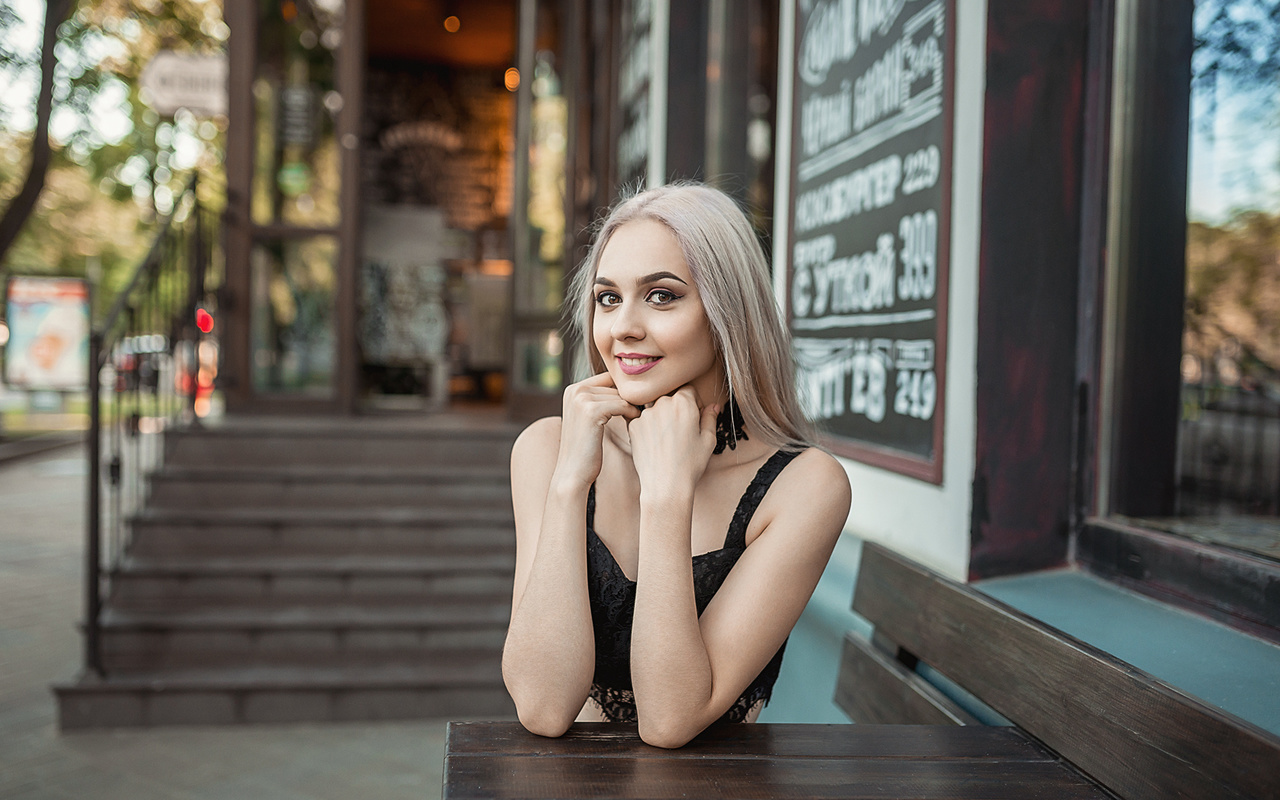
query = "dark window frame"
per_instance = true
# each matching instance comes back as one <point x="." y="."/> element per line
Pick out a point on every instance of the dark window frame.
<point x="1132" y="277"/>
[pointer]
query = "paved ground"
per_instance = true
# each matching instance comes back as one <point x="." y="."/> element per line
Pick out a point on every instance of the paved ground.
<point x="41" y="532"/>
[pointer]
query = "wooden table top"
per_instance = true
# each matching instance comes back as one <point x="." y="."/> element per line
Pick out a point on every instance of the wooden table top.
<point x="502" y="761"/>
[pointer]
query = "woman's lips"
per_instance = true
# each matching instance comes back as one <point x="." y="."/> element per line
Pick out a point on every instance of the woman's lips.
<point x="635" y="364"/>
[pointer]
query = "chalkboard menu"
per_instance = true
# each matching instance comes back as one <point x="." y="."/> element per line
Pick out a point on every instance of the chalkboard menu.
<point x="869" y="224"/>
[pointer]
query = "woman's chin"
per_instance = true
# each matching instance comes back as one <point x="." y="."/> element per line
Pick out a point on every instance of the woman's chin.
<point x="638" y="393"/>
<point x="639" y="398"/>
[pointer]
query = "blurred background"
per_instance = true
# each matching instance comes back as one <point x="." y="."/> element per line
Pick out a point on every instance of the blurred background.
<point x="289" y="274"/>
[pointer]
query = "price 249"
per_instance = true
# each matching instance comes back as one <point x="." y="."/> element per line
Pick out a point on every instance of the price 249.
<point x="917" y="394"/>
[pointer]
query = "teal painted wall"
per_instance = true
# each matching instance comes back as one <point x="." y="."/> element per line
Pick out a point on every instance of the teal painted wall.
<point x="807" y="683"/>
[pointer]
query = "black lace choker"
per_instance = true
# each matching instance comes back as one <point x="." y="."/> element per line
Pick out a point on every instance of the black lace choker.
<point x="729" y="427"/>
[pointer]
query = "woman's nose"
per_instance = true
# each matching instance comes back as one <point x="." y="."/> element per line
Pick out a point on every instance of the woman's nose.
<point x="626" y="323"/>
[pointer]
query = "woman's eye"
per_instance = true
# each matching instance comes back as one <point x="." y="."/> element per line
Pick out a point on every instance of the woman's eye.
<point x="608" y="299"/>
<point x="661" y="297"/>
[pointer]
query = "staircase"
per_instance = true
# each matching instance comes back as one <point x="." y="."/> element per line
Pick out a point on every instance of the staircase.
<point x="288" y="570"/>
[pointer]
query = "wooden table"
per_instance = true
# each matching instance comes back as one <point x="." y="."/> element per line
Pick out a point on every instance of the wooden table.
<point x="607" y="760"/>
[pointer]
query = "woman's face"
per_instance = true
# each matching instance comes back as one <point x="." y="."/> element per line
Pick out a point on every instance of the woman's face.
<point x="649" y="326"/>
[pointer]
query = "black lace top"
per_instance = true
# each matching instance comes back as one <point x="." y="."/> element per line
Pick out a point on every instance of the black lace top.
<point x="613" y="602"/>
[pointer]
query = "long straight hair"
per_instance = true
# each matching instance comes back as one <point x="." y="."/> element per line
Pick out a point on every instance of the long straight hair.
<point x="730" y="272"/>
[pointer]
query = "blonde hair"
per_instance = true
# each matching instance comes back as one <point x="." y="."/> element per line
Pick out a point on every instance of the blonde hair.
<point x="732" y="277"/>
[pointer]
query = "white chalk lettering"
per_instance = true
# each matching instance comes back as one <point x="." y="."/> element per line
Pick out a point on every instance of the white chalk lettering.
<point x="836" y="377"/>
<point x="913" y="354"/>
<point x="804" y="256"/>
<point x="874" y="186"/>
<point x="877" y="17"/>
<point x="881" y="90"/>
<point x="921" y="169"/>
<point x="826" y="119"/>
<point x="824" y="285"/>
<point x="919" y="234"/>
<point x="830" y="38"/>
<point x="917" y="394"/>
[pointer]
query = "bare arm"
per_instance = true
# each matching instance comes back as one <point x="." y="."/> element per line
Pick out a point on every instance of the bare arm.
<point x="549" y="656"/>
<point x="687" y="671"/>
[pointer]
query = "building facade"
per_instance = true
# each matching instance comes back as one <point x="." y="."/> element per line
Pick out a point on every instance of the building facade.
<point x="982" y="218"/>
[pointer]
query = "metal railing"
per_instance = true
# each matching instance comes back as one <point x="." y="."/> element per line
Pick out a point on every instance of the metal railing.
<point x="146" y="374"/>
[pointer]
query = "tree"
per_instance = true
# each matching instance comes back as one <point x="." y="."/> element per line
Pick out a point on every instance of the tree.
<point x="41" y="152"/>
<point x="104" y="184"/>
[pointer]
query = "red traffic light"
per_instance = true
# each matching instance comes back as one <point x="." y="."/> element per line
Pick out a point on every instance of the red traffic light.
<point x="204" y="320"/>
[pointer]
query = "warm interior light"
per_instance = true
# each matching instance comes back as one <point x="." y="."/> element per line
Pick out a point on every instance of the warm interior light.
<point x="512" y="79"/>
<point x="452" y="23"/>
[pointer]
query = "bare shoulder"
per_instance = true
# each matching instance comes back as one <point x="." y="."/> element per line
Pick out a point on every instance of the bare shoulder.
<point x="815" y="464"/>
<point x="813" y="492"/>
<point x="537" y="443"/>
<point x="533" y="459"/>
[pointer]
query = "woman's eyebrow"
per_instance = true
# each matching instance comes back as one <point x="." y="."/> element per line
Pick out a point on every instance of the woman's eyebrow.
<point x="658" y="276"/>
<point x="652" y="277"/>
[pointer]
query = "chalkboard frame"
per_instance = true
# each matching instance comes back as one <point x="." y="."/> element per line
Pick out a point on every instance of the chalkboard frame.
<point x="876" y="454"/>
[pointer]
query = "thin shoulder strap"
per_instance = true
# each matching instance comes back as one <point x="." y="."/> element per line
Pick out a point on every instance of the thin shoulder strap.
<point x="759" y="487"/>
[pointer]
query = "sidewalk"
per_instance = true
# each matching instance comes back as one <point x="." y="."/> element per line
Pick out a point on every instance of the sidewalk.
<point x="41" y="546"/>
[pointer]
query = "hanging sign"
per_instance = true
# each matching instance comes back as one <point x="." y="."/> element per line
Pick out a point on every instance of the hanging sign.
<point x="869" y="224"/>
<point x="198" y="83"/>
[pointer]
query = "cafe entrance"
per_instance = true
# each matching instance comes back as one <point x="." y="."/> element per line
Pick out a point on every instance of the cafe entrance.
<point x="370" y="171"/>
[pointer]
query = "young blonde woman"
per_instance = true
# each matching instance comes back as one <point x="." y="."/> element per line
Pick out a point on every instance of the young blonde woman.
<point x="673" y="522"/>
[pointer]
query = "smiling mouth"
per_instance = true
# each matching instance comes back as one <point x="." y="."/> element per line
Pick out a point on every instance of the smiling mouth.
<point x="634" y="365"/>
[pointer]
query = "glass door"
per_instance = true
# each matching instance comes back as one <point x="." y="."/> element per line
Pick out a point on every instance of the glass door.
<point x="539" y="368"/>
<point x="291" y="202"/>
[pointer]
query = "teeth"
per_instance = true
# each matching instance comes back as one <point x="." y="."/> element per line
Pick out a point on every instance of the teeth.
<point x="635" y="362"/>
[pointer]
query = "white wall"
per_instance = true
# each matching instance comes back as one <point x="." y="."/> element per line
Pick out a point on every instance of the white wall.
<point x="927" y="523"/>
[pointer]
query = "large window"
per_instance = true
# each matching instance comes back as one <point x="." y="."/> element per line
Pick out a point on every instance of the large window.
<point x="1228" y="473"/>
<point x="1189" y="410"/>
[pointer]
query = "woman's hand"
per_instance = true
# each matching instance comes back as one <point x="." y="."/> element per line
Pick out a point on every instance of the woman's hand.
<point x="588" y="407"/>
<point x="671" y="443"/>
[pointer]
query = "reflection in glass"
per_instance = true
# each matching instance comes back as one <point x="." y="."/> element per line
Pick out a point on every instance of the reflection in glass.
<point x="1229" y="440"/>
<point x="296" y="106"/>
<point x="540" y="283"/>
<point x="537" y="361"/>
<point x="292" y="323"/>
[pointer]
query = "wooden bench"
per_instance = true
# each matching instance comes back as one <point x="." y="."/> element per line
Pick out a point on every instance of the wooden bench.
<point x="1132" y="733"/>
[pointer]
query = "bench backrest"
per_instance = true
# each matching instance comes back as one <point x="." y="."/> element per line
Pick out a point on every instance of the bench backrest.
<point x="1131" y="732"/>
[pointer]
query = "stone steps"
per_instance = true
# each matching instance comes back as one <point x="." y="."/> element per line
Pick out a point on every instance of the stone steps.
<point x="300" y="635"/>
<point x="301" y="531"/>
<point x="268" y="443"/>
<point x="460" y="685"/>
<point x="311" y="569"/>
<point x="147" y="583"/>
<point x="200" y="488"/>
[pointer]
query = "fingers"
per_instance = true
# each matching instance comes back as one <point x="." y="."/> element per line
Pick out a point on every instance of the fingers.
<point x="709" y="415"/>
<point x="597" y="399"/>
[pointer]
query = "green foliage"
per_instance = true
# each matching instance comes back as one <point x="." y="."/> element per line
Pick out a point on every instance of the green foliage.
<point x="105" y="189"/>
<point x="1233" y="290"/>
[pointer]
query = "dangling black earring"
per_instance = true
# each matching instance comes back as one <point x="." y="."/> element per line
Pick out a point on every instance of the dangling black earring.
<point x="729" y="427"/>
